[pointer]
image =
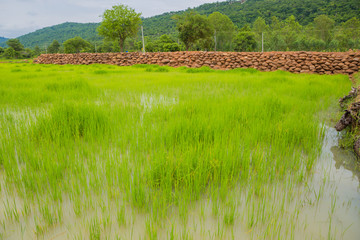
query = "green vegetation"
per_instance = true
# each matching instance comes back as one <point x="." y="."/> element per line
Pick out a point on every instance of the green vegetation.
<point x="245" y="40"/>
<point x="54" y="47"/>
<point x="76" y="45"/>
<point x="61" y="32"/>
<point x="224" y="30"/>
<point x="164" y="44"/>
<point x="119" y="23"/>
<point x="159" y="150"/>
<point x="192" y="28"/>
<point x="276" y="14"/>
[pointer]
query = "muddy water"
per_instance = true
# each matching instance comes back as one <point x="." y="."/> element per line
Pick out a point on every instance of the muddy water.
<point x="326" y="207"/>
<point x="337" y="180"/>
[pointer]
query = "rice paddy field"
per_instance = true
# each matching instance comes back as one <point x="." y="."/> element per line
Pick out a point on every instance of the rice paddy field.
<point x="153" y="152"/>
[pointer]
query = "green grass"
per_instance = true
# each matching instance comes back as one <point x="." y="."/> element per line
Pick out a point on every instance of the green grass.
<point x="154" y="141"/>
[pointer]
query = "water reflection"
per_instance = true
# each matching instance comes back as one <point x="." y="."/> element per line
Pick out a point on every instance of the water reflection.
<point x="347" y="160"/>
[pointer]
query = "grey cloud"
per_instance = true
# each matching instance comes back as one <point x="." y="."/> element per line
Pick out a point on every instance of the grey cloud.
<point x="32" y="13"/>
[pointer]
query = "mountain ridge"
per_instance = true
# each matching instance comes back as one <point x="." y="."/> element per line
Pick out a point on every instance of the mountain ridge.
<point x="3" y="39"/>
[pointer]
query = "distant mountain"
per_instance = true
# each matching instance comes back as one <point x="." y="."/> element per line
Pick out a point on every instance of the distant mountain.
<point x="2" y="39"/>
<point x="43" y="37"/>
<point x="240" y="13"/>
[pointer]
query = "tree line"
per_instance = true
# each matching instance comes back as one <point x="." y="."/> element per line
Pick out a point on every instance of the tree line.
<point x="215" y="32"/>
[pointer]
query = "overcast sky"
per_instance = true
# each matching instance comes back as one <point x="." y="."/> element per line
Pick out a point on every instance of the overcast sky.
<point x="18" y="17"/>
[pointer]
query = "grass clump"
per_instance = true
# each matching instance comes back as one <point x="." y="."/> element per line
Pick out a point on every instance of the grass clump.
<point x="74" y="85"/>
<point x="156" y="68"/>
<point x="73" y="121"/>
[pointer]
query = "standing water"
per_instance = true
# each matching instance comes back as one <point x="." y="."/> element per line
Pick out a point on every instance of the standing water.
<point x="336" y="184"/>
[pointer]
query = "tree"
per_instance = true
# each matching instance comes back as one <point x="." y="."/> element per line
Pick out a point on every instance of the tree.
<point x="119" y="23"/>
<point x="166" y="44"/>
<point x="245" y="40"/>
<point x="1" y="50"/>
<point x="75" y="45"/>
<point x="192" y="27"/>
<point x="290" y="32"/>
<point x="259" y="28"/>
<point x="54" y="47"/>
<point x="15" y="44"/>
<point x="351" y="28"/>
<point x="224" y="29"/>
<point x="28" y="53"/>
<point x="10" y="53"/>
<point x="37" y="51"/>
<point x="323" y="26"/>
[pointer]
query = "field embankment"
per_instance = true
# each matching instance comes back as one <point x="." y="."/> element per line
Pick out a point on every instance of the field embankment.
<point x="296" y="62"/>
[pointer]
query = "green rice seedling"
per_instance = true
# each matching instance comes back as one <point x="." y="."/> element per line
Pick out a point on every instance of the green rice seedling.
<point x="26" y="209"/>
<point x="100" y="72"/>
<point x="156" y="68"/>
<point x="94" y="229"/>
<point x="48" y="215"/>
<point x="172" y="233"/>
<point x="106" y="221"/>
<point x="11" y="212"/>
<point x="121" y="216"/>
<point x="39" y="228"/>
<point x="230" y="211"/>
<point x="151" y="230"/>
<point x="72" y="122"/>
<point x="158" y="141"/>
<point x="198" y="70"/>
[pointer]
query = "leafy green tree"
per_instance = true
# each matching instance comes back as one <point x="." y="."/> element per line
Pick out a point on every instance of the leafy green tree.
<point x="54" y="47"/>
<point x="224" y="30"/>
<point x="151" y="47"/>
<point x="75" y="45"/>
<point x="245" y="40"/>
<point x="106" y="47"/>
<point x="290" y="31"/>
<point x="119" y="23"/>
<point x="259" y="28"/>
<point x="192" y="27"/>
<point x="10" y="53"/>
<point x="167" y="44"/>
<point x="37" y="51"/>
<point x="275" y="24"/>
<point x="323" y="26"/>
<point x="1" y="50"/>
<point x="351" y="28"/>
<point x="28" y="53"/>
<point x="15" y="44"/>
<point x="170" y="47"/>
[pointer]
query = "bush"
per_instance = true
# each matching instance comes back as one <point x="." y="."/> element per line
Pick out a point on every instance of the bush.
<point x="9" y="53"/>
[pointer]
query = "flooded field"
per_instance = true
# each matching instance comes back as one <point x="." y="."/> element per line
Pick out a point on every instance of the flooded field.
<point x="149" y="152"/>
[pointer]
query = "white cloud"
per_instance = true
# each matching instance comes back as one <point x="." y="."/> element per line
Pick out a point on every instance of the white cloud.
<point x="19" y="17"/>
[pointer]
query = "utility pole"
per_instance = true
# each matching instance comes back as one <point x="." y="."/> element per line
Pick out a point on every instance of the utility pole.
<point x="142" y="35"/>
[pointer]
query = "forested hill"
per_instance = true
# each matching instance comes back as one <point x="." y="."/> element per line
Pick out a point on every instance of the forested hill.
<point x="240" y="13"/>
<point x="61" y="32"/>
<point x="2" y="39"/>
<point x="246" y="13"/>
